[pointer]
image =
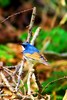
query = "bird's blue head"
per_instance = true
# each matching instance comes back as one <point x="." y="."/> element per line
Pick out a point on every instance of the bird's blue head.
<point x="25" y="44"/>
<point x="28" y="48"/>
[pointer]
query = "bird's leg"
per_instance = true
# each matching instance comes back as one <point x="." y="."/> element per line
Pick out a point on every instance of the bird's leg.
<point x="31" y="70"/>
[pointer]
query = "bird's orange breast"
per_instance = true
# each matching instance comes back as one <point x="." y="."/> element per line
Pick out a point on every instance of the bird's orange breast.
<point x="34" y="56"/>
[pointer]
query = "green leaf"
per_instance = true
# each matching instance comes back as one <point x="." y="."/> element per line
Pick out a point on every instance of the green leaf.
<point x="4" y="3"/>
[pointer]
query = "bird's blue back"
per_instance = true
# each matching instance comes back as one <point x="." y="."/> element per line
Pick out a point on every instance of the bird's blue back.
<point x="30" y="49"/>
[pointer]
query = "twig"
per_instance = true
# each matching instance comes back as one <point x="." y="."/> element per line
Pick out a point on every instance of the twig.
<point x="1" y="63"/>
<point x="4" y="95"/>
<point x="9" y="71"/>
<point x="19" y="76"/>
<point x="2" y="85"/>
<point x="15" y="14"/>
<point x="10" y="27"/>
<point x="10" y="75"/>
<point x="17" y="68"/>
<point x="65" y="77"/>
<point x="31" y="24"/>
<point x="54" y="20"/>
<point x="35" y="35"/>
<point x="6" y="82"/>
<point x="55" y="55"/>
<point x="11" y="67"/>
<point x="28" y="80"/>
<point x="46" y="42"/>
<point x="23" y="87"/>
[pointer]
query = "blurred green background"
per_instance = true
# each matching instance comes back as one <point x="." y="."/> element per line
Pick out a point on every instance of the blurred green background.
<point x="52" y="40"/>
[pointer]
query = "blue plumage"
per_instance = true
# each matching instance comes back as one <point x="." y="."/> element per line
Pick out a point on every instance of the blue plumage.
<point x="31" y="53"/>
<point x="29" y="48"/>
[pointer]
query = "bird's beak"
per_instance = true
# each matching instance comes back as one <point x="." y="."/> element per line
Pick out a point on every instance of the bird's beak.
<point x="46" y="63"/>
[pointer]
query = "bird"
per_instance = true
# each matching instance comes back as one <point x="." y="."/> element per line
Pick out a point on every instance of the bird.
<point x="32" y="54"/>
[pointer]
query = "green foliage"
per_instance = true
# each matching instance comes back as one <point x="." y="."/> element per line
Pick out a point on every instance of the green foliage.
<point x="6" y="52"/>
<point x="58" y="87"/>
<point x="58" y="38"/>
<point x="23" y="36"/>
<point x="4" y="3"/>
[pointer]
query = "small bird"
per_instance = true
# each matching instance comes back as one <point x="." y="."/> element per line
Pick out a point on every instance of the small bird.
<point x="32" y="54"/>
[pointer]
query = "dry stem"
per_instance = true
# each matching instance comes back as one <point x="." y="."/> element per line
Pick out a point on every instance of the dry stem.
<point x="35" y="35"/>
<point x="19" y="75"/>
<point x="15" y="15"/>
<point x="6" y="82"/>
<point x="31" y="24"/>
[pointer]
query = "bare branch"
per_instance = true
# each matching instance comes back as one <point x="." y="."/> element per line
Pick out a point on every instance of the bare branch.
<point x="17" y="68"/>
<point x="2" y="85"/>
<point x="31" y="70"/>
<point x="6" y="82"/>
<point x="15" y="15"/>
<point x="35" y="35"/>
<point x="10" y="74"/>
<point x="19" y="76"/>
<point x="31" y="24"/>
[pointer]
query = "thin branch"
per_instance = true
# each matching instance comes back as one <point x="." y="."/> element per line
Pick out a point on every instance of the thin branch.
<point x="31" y="24"/>
<point x="13" y="79"/>
<point x="46" y="42"/>
<point x="6" y="82"/>
<point x="35" y="35"/>
<point x="15" y="15"/>
<point x="10" y="27"/>
<point x="19" y="76"/>
<point x="65" y="77"/>
<point x="11" y="67"/>
<point x="4" y="95"/>
<point x="55" y="55"/>
<point x="2" y="85"/>
<point x="28" y="80"/>
<point x="17" y="68"/>
<point x="1" y="63"/>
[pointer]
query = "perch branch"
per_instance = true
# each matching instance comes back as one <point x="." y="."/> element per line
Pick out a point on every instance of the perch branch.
<point x="19" y="75"/>
<point x="35" y="35"/>
<point x="28" y="80"/>
<point x="31" y="24"/>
